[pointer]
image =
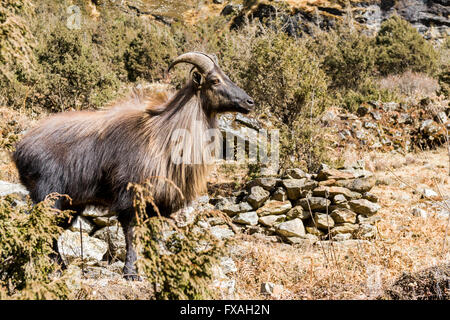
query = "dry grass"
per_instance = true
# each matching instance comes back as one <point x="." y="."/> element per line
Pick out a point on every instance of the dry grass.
<point x="410" y="84"/>
<point x="361" y="270"/>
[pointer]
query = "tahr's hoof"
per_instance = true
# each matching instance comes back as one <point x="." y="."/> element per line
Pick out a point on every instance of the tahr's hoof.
<point x="132" y="276"/>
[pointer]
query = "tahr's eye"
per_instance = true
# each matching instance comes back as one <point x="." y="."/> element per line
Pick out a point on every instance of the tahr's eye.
<point x="215" y="81"/>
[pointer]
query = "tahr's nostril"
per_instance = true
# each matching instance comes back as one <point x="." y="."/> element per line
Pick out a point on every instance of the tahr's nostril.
<point x="250" y="102"/>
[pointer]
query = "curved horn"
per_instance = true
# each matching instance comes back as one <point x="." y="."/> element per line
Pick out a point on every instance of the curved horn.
<point x="202" y="61"/>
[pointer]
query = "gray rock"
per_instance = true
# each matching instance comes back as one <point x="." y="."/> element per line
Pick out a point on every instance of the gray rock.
<point x="257" y="197"/>
<point x="343" y="216"/>
<point x="247" y="218"/>
<point x="221" y="232"/>
<point x="369" y="220"/>
<point x="298" y="212"/>
<point x="69" y="247"/>
<point x="184" y="217"/>
<point x="364" y="207"/>
<point x="323" y="221"/>
<point x="267" y="183"/>
<point x="344" y="228"/>
<point x="105" y="221"/>
<point x="86" y="225"/>
<point x="270" y="221"/>
<point x="297" y="173"/>
<point x="291" y="228"/>
<point x="314" y="203"/>
<point x="279" y="195"/>
<point x="115" y="238"/>
<point x="360" y="185"/>
<point x="339" y="199"/>
<point x="273" y="207"/>
<point x="7" y="188"/>
<point x="93" y="211"/>
<point x="297" y="188"/>
<point x="370" y="196"/>
<point x="330" y="192"/>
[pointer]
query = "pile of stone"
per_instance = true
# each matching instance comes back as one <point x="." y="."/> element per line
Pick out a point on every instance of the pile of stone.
<point x="391" y="126"/>
<point x="101" y="237"/>
<point x="333" y="204"/>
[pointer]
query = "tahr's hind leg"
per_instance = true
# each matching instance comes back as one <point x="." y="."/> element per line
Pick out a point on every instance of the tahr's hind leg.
<point x="126" y="219"/>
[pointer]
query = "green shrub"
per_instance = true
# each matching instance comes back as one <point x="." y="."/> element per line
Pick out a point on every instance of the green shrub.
<point x="349" y="57"/>
<point x="149" y="54"/>
<point x="73" y="75"/>
<point x="284" y="76"/>
<point x="27" y="234"/>
<point x="400" y="47"/>
<point x="177" y="261"/>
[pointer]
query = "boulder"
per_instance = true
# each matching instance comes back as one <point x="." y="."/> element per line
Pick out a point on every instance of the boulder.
<point x="323" y="221"/>
<point x="266" y="183"/>
<point x="296" y="173"/>
<point x="274" y="207"/>
<point x="313" y="230"/>
<point x="105" y="221"/>
<point x="69" y="247"/>
<point x="339" y="199"/>
<point x="297" y="188"/>
<point x="247" y="218"/>
<point x="298" y="212"/>
<point x="7" y="188"/>
<point x="330" y="192"/>
<point x="257" y="197"/>
<point x="314" y="203"/>
<point x="364" y="207"/>
<point x="360" y="185"/>
<point x="270" y="221"/>
<point x="221" y="232"/>
<point x="115" y="238"/>
<point x="329" y="173"/>
<point x="81" y="223"/>
<point x="93" y="211"/>
<point x="291" y="228"/>
<point x="184" y="217"/>
<point x="343" y="216"/>
<point x="279" y="195"/>
<point x="344" y="228"/>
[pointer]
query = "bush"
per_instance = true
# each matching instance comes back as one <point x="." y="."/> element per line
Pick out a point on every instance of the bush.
<point x="400" y="47"/>
<point x="349" y="57"/>
<point x="74" y="76"/>
<point x="177" y="261"/>
<point x="284" y="76"/>
<point x="149" y="54"/>
<point x="27" y="234"/>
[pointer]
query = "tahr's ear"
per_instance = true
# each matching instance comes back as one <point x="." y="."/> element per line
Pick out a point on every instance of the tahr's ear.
<point x="197" y="78"/>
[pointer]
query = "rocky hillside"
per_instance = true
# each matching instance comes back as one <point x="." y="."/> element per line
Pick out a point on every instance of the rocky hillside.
<point x="431" y="17"/>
